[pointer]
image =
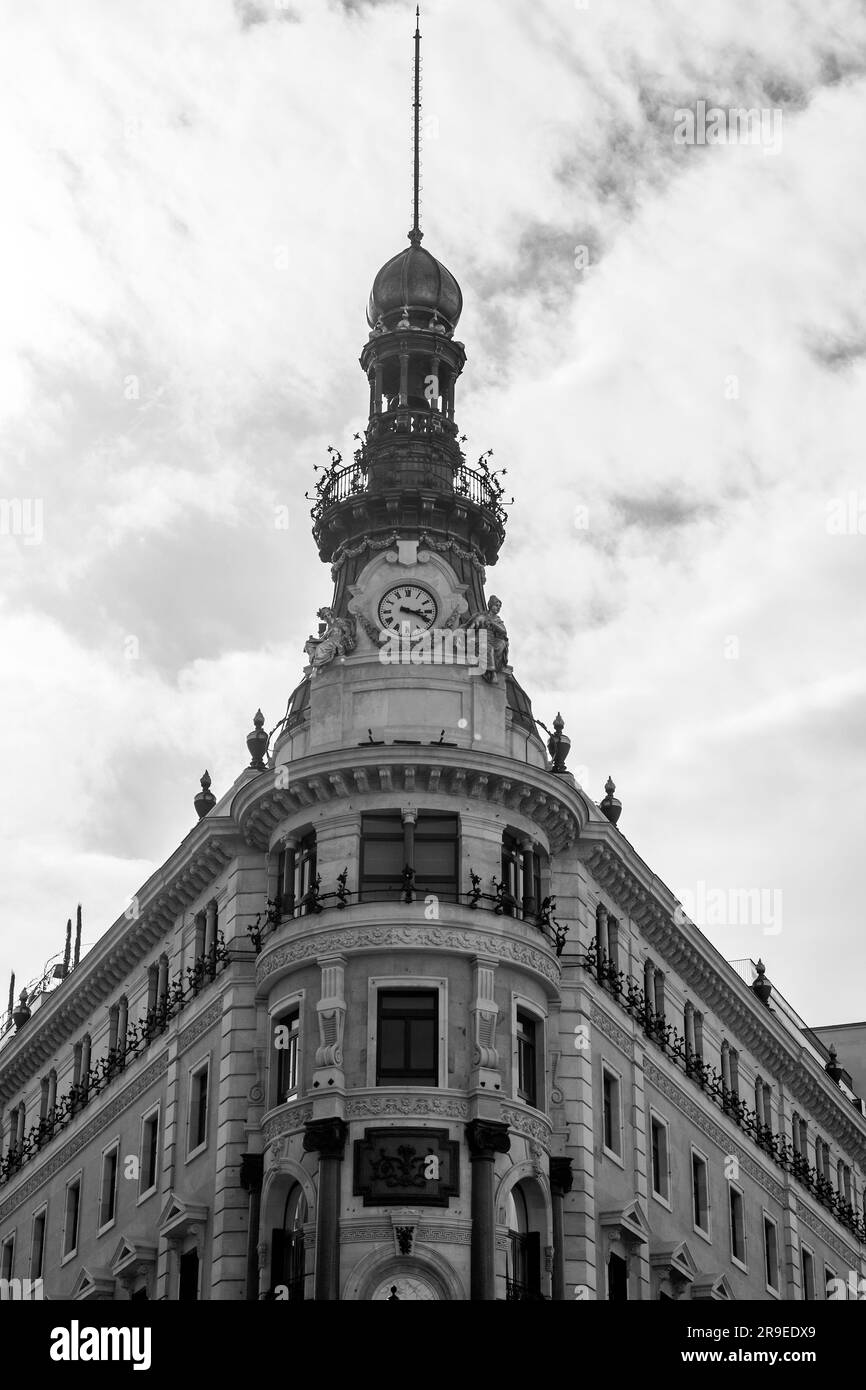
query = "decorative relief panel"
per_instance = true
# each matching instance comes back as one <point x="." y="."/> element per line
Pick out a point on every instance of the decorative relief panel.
<point x="287" y="1122"/>
<point x="193" y="1031"/>
<point x="395" y="1166"/>
<point x="814" y="1223"/>
<point x="539" y="1128"/>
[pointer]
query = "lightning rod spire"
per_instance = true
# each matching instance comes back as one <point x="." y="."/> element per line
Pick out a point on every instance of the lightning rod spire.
<point x="416" y="234"/>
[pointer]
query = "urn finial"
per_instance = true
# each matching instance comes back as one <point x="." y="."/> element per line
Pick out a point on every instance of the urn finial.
<point x="761" y="985"/>
<point x="611" y="806"/>
<point x="257" y="742"/>
<point x="22" y="1013"/>
<point x="831" y="1066"/>
<point x="204" y="800"/>
<point x="559" y="744"/>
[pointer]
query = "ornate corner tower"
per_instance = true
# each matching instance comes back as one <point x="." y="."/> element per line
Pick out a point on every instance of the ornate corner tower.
<point x="409" y="811"/>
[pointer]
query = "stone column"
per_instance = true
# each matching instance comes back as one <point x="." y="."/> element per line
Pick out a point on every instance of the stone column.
<point x="162" y="982"/>
<point x="600" y="938"/>
<point x="529" y="904"/>
<point x="486" y="1138"/>
<point x="561" y="1182"/>
<point x="327" y="1138"/>
<point x="404" y="379"/>
<point x="252" y="1174"/>
<point x="122" y="1024"/>
<point x="210" y="934"/>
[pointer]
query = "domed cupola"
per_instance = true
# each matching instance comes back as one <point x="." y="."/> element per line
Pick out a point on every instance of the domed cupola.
<point x="413" y="282"/>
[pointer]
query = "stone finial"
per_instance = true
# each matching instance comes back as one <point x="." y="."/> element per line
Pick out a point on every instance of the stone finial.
<point x="205" y="799"/>
<point x="761" y="985"/>
<point x="611" y="806"/>
<point x="831" y="1066"/>
<point x="257" y="742"/>
<point x="22" y="1013"/>
<point x="559" y="744"/>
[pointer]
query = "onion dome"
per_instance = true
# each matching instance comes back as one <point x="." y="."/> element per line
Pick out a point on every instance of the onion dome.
<point x="415" y="280"/>
<point x="204" y="800"/>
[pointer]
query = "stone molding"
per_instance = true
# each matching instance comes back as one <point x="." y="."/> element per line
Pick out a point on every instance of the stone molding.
<point x="426" y="937"/>
<point x="618" y="1036"/>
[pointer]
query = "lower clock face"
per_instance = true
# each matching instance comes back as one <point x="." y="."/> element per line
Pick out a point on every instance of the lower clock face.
<point x="407" y="603"/>
<point x="404" y="1287"/>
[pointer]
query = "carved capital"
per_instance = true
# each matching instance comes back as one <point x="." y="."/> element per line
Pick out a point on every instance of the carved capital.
<point x="326" y="1137"/>
<point x="487" y="1138"/>
<point x="561" y="1176"/>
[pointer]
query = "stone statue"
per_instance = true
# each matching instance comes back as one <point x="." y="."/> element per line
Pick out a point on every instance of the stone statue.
<point x="488" y="621"/>
<point x="336" y="638"/>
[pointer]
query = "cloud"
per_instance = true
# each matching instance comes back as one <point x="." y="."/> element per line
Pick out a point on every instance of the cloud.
<point x="202" y="196"/>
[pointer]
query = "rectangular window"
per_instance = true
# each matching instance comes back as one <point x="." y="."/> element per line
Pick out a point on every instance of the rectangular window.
<point x="807" y="1269"/>
<point x="287" y="1033"/>
<point x="831" y="1285"/>
<point x="108" y="1189"/>
<point x="7" y="1257"/>
<point x="37" y="1244"/>
<point x="771" y="1255"/>
<point x="149" y="1156"/>
<point x="738" y="1226"/>
<point x="407" y="1037"/>
<point x="70" y="1223"/>
<point x="700" y="1193"/>
<point x="428" y="847"/>
<point x="660" y="1168"/>
<point x="197" y="1124"/>
<point x="526" y="1057"/>
<point x="612" y="1112"/>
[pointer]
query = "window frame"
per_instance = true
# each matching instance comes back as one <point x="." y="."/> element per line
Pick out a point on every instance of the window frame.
<point x="8" y="1242"/>
<point x="663" y="1198"/>
<point x="806" y="1251"/>
<point x="706" y="1234"/>
<point x="407" y="984"/>
<point x="41" y="1211"/>
<point x="282" y="1008"/>
<point x="610" y="1072"/>
<point x="536" y="1015"/>
<point x="113" y="1147"/>
<point x="770" y="1221"/>
<point x="830" y="1273"/>
<point x="146" y="1192"/>
<point x="193" y="1073"/>
<point x="735" y="1189"/>
<point x="76" y="1181"/>
<point x="389" y="887"/>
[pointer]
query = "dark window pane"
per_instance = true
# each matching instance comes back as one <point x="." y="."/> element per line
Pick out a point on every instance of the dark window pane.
<point x="435" y="857"/>
<point x="422" y="1044"/>
<point x="392" y="1043"/>
<point x="383" y="857"/>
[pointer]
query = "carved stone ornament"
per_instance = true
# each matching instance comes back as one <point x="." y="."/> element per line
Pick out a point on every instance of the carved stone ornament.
<point x="337" y="638"/>
<point x="326" y="1137"/>
<point x="487" y="1138"/>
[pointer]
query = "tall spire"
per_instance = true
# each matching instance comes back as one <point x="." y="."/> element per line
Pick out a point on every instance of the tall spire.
<point x="416" y="234"/>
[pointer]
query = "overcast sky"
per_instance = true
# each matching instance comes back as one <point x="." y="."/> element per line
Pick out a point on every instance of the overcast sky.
<point x="666" y="350"/>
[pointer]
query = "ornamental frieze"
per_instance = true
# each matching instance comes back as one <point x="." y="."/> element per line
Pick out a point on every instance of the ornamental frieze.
<point x="193" y="1031"/>
<point x="436" y="938"/>
<point x="364" y="1107"/>
<point x="815" y="1224"/>
<point x="539" y="1129"/>
<point x="713" y="1131"/>
<point x="618" y="1036"/>
<point x="287" y="1122"/>
<point x="350" y="1234"/>
<point x="99" y="1122"/>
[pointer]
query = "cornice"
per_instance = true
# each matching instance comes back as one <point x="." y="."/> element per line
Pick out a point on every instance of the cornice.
<point x="102" y="972"/>
<point x="558" y="808"/>
<point x="620" y="871"/>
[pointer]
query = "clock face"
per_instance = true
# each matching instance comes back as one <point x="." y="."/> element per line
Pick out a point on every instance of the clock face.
<point x="401" y="1287"/>
<point x="407" y="603"/>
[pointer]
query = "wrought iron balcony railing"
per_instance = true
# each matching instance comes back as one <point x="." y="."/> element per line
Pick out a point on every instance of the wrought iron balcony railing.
<point x="632" y="998"/>
<point x="184" y="986"/>
<point x="407" y="889"/>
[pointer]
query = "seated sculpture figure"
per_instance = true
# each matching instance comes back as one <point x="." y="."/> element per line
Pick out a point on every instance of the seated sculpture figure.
<point x="336" y="638"/>
<point x="487" y="620"/>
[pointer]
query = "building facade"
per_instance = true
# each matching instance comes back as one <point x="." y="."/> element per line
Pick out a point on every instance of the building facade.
<point x="405" y="1015"/>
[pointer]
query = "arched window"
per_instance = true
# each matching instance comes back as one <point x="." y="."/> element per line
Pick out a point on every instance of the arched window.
<point x="523" y="1253"/>
<point x="287" y="1249"/>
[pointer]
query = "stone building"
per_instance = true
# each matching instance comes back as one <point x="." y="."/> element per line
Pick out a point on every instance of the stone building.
<point x="405" y="1015"/>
